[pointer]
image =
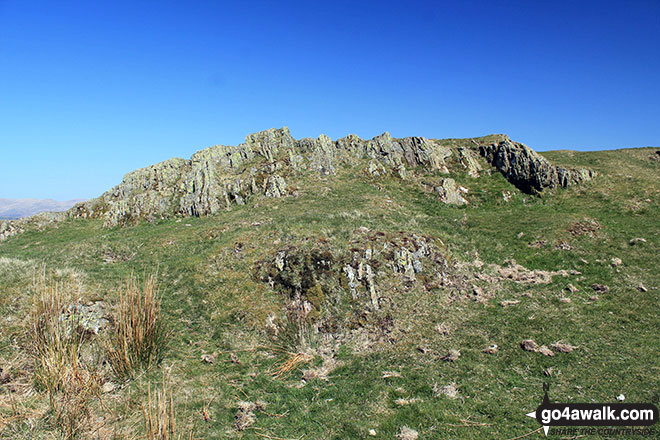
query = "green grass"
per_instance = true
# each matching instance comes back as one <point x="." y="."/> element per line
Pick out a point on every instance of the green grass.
<point x="212" y="303"/>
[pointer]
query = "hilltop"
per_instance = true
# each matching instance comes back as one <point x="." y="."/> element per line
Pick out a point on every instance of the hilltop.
<point x="326" y="289"/>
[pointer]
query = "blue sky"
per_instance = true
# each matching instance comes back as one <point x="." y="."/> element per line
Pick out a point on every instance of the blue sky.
<point x="92" y="90"/>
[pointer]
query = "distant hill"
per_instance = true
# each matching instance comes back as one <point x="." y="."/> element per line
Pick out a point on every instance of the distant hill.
<point x="18" y="208"/>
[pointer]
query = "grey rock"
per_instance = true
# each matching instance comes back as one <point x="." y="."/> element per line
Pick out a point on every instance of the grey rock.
<point x="528" y="170"/>
<point x="90" y="318"/>
<point x="376" y="168"/>
<point x="467" y="158"/>
<point x="220" y="177"/>
<point x="275" y="186"/>
<point x="450" y="193"/>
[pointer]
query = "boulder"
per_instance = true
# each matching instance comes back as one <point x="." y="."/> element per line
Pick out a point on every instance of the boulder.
<point x="450" y="193"/>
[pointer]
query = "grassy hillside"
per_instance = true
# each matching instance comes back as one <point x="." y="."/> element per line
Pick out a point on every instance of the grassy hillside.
<point x="216" y="302"/>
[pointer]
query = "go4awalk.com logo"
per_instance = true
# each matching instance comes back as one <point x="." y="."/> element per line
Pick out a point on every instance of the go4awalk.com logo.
<point x="596" y="418"/>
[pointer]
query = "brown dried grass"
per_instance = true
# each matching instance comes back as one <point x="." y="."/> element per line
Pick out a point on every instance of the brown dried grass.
<point x="138" y="338"/>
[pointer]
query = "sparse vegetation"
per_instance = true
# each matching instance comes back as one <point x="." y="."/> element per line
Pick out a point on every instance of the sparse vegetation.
<point x="160" y="422"/>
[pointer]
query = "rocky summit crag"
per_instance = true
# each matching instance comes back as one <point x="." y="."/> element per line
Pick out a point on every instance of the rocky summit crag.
<point x="221" y="176"/>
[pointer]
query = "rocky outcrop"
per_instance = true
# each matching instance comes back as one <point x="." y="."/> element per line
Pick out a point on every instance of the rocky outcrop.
<point x="528" y="170"/>
<point x="8" y="229"/>
<point x="467" y="158"/>
<point x="38" y="221"/>
<point x="331" y="288"/>
<point x="221" y="176"/>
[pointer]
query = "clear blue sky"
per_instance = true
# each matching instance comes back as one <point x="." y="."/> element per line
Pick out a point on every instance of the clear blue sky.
<point x="90" y="90"/>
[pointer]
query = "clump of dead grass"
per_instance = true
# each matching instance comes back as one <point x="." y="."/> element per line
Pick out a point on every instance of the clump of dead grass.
<point x="59" y="370"/>
<point x="290" y="363"/>
<point x="139" y="337"/>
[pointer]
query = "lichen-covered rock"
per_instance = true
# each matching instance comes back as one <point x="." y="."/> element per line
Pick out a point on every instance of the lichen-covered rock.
<point x="467" y="158"/>
<point x="275" y="186"/>
<point x="376" y="169"/>
<point x="89" y="318"/>
<point x="321" y="281"/>
<point x="450" y="193"/>
<point x="39" y="221"/>
<point x="221" y="176"/>
<point x="8" y="229"/>
<point x="528" y="170"/>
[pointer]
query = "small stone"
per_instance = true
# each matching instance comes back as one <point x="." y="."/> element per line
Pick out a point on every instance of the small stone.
<point x="529" y="345"/>
<point x="637" y="240"/>
<point x="492" y="349"/>
<point x="600" y="288"/>
<point x="520" y="234"/>
<point x="545" y="351"/>
<point x="594" y="298"/>
<point x="641" y="288"/>
<point x="620" y="397"/>
<point x="565" y="300"/>
<point x="450" y="391"/>
<point x="452" y="356"/>
<point x="372" y="432"/>
<point x="562" y="347"/>
<point x="616" y="262"/>
<point x="407" y="434"/>
<point x="108" y="387"/>
<point x="571" y="288"/>
<point x="208" y="358"/>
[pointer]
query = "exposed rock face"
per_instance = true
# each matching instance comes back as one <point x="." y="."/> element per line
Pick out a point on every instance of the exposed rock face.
<point x="217" y="177"/>
<point x="7" y="229"/>
<point x="467" y="158"/>
<point x="221" y="176"/>
<point x="275" y="186"/>
<point x="450" y="193"/>
<point x="528" y="170"/>
<point x="320" y="281"/>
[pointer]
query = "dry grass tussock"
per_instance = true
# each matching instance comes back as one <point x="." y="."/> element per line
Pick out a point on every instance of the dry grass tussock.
<point x="59" y="370"/>
<point x="55" y="378"/>
<point x="139" y="336"/>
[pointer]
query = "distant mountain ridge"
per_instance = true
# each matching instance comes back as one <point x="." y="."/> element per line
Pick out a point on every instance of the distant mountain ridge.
<point x="18" y="208"/>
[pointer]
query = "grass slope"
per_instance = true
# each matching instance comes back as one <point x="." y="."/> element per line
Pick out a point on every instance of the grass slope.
<point x="214" y="305"/>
